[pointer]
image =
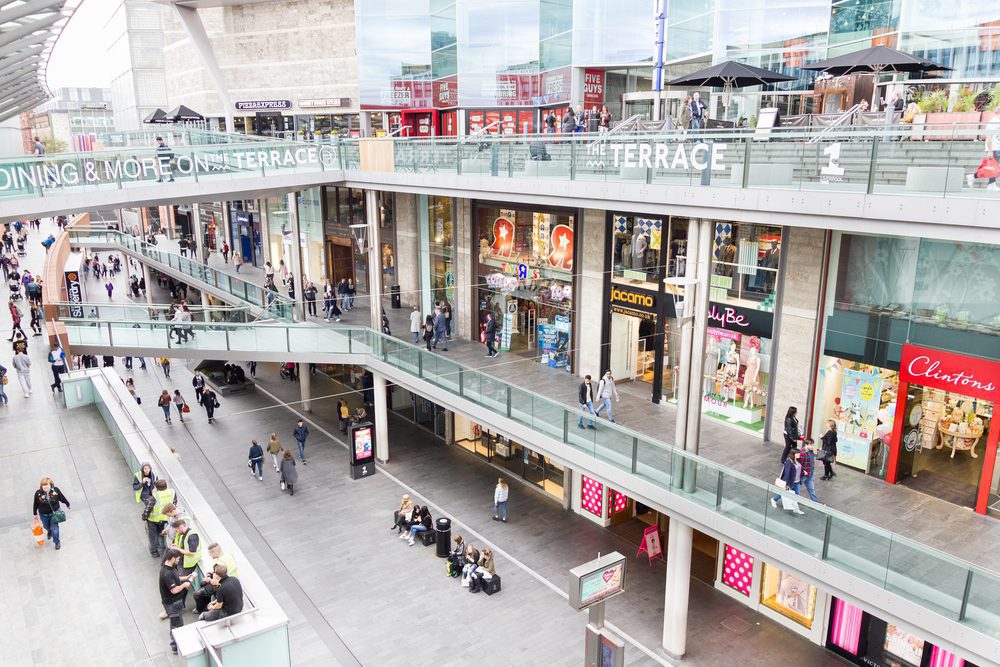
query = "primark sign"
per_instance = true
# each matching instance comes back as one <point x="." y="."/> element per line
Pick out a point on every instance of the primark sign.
<point x="660" y="155"/>
<point x="90" y="171"/>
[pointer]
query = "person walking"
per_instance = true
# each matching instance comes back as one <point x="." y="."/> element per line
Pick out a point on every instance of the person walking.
<point x="829" y="455"/>
<point x="173" y="589"/>
<point x="256" y="460"/>
<point x="415" y="323"/>
<point x="446" y="311"/>
<point x="301" y="432"/>
<point x="342" y="294"/>
<point x="15" y="316"/>
<point x="238" y="260"/>
<point x="274" y="448"/>
<point x="500" y="494"/>
<point x="792" y="432"/>
<point x="606" y="390"/>
<point x="289" y="475"/>
<point x="3" y="380"/>
<point x="225" y="252"/>
<point x="180" y="404"/>
<point x="163" y="157"/>
<point x="440" y="330"/>
<point x="697" y="111"/>
<point x="37" y="316"/>
<point x="791" y="474"/>
<point x="310" y="296"/>
<point x="351" y="293"/>
<point x="198" y="382"/>
<point x="110" y="287"/>
<point x="57" y="359"/>
<point x="210" y="402"/>
<point x="163" y="402"/>
<point x="490" y="335"/>
<point x="22" y="365"/>
<point x="46" y="508"/>
<point x="807" y="458"/>
<point x="330" y="306"/>
<point x="165" y="365"/>
<point x="586" y="401"/>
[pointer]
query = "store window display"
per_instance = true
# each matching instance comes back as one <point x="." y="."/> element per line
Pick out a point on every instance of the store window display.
<point x="745" y="260"/>
<point x="735" y="377"/>
<point x="525" y="264"/>
<point x="788" y="595"/>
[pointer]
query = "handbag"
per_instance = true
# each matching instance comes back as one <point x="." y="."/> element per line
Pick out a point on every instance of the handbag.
<point x="216" y="403"/>
<point x="780" y="483"/>
<point x="186" y="408"/>
<point x="58" y="516"/>
<point x="282" y="485"/>
<point x="4" y="379"/>
<point x="988" y="168"/>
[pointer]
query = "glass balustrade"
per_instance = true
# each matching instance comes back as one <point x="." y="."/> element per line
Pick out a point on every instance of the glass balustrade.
<point x="949" y="586"/>
<point x="277" y="305"/>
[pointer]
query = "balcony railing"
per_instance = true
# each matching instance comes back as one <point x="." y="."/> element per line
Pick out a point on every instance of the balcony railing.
<point x="956" y="589"/>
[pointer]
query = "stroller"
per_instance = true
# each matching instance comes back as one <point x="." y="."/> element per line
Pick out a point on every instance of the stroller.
<point x="15" y="288"/>
<point x="287" y="371"/>
<point x="21" y="252"/>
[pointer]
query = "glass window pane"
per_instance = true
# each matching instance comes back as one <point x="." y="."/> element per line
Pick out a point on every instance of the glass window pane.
<point x="556" y="17"/>
<point x="557" y="51"/>
<point x="444" y="62"/>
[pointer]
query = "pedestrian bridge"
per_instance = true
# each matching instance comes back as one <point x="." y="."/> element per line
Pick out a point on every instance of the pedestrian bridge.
<point x="950" y="601"/>
<point x="874" y="180"/>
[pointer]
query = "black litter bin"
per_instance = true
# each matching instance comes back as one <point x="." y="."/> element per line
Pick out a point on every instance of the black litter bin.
<point x="443" y="541"/>
<point x="397" y="301"/>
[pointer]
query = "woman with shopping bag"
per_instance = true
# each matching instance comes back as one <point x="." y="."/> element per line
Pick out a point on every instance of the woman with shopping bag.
<point x="989" y="168"/>
<point x="47" y="500"/>
<point x="791" y="477"/>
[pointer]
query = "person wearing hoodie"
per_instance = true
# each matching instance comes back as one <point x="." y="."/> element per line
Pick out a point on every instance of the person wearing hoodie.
<point x="256" y="460"/>
<point x="143" y="482"/>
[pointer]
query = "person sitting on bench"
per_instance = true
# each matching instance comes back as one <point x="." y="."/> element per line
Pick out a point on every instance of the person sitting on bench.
<point x="403" y="515"/>
<point x="421" y="523"/>
<point x="471" y="560"/>
<point x="536" y="151"/>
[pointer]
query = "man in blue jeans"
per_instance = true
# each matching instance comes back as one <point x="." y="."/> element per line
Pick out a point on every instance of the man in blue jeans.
<point x="586" y="401"/>
<point x="301" y="432"/>
<point x="808" y="460"/>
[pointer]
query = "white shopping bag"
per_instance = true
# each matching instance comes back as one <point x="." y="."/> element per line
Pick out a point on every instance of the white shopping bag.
<point x="788" y="502"/>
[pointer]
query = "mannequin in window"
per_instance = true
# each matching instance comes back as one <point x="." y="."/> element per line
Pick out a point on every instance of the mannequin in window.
<point x="731" y="373"/>
<point x="751" y="376"/>
<point x="639" y="244"/>
<point x="727" y="257"/>
<point x="711" y="364"/>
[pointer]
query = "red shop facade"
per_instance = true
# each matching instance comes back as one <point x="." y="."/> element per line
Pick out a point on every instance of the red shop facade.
<point x="944" y="433"/>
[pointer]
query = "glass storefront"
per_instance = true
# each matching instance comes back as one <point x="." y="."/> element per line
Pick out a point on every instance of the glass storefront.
<point x="440" y="240"/>
<point x="517" y="460"/>
<point x="894" y="306"/>
<point x="526" y="279"/>
<point x="643" y="335"/>
<point x="344" y="207"/>
<point x="247" y="239"/>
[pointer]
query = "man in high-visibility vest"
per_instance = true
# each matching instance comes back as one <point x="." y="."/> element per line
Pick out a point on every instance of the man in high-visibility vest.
<point x="155" y="517"/>
<point x="188" y="542"/>
<point x="204" y="594"/>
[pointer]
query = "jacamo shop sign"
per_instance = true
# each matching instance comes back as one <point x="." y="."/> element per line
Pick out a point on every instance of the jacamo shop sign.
<point x="633" y="302"/>
<point x="24" y="175"/>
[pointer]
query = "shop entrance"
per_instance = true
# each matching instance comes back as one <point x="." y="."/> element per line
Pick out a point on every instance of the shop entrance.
<point x="942" y="454"/>
<point x="943" y="441"/>
<point x="341" y="261"/>
<point x="633" y="352"/>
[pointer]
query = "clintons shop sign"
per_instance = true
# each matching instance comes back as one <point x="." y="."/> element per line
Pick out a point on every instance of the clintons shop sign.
<point x="977" y="378"/>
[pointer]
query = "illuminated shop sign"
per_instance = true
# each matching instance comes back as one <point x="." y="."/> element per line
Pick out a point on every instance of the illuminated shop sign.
<point x="633" y="302"/>
<point x="264" y="105"/>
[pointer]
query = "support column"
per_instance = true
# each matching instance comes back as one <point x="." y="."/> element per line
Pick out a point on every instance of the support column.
<point x="567" y="499"/>
<point x="374" y="263"/>
<point x="199" y="234"/>
<point x="702" y="293"/>
<point x="295" y="261"/>
<point x="381" y="418"/>
<point x="305" y="387"/>
<point x="678" y="588"/>
<point x="449" y="427"/>
<point x="147" y="278"/>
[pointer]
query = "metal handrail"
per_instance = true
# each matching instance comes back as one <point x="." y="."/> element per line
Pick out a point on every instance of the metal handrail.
<point x="480" y="131"/>
<point x="603" y="136"/>
<point x="837" y="122"/>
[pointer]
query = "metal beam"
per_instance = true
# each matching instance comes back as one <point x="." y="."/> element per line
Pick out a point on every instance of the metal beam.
<point x="12" y="80"/>
<point x="11" y="111"/>
<point x="17" y="94"/>
<point x="199" y="38"/>
<point x="17" y="68"/>
<point x="30" y="9"/>
<point x="19" y="38"/>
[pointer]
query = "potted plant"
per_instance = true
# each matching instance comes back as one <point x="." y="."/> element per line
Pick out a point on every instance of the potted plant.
<point x="962" y="118"/>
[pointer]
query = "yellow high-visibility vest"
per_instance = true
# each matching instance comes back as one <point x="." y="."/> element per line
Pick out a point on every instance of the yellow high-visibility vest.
<point x="163" y="498"/>
<point x="182" y="541"/>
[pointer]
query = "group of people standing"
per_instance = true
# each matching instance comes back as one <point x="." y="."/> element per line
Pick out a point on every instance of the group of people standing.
<point x="435" y="327"/>
<point x="577" y="120"/>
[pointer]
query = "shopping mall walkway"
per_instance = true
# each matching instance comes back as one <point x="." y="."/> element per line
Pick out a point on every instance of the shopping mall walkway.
<point x="929" y="520"/>
<point x="333" y="537"/>
<point x="94" y="602"/>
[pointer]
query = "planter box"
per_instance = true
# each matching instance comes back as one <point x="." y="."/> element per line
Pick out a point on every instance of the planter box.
<point x="970" y="131"/>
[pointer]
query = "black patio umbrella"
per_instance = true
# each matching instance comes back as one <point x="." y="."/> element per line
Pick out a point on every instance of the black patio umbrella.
<point x="182" y="113"/>
<point x="877" y="59"/>
<point x="730" y="75"/>
<point x="158" y="116"/>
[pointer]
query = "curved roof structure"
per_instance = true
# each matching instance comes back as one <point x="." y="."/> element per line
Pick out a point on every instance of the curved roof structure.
<point x="28" y="30"/>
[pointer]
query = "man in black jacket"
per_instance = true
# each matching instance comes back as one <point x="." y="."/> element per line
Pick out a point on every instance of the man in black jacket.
<point x="490" y="333"/>
<point x="586" y="400"/>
